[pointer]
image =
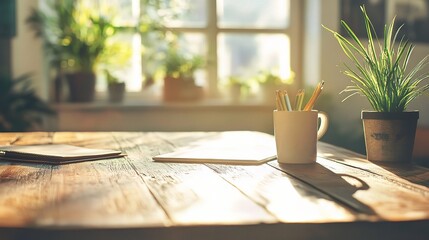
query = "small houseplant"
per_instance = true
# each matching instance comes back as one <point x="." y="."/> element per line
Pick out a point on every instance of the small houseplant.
<point x="380" y="74"/>
<point x="236" y="88"/>
<point x="270" y="81"/>
<point x="115" y="87"/>
<point x="20" y="108"/>
<point x="75" y="41"/>
<point x="179" y="82"/>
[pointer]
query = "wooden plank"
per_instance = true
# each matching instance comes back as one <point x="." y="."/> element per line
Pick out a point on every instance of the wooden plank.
<point x="409" y="172"/>
<point x="9" y="138"/>
<point x="88" y="139"/>
<point x="97" y="194"/>
<point x="136" y="193"/>
<point x="319" y="231"/>
<point x="288" y="199"/>
<point x="22" y="185"/>
<point x="189" y="193"/>
<point x="34" y="138"/>
<point x="101" y="193"/>
<point x="369" y="193"/>
<point x="22" y="193"/>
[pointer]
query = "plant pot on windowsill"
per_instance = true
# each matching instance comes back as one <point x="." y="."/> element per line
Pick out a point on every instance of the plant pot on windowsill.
<point x="268" y="92"/>
<point x="270" y="81"/>
<point x="235" y="92"/>
<point x="116" y="92"/>
<point x="181" y="89"/>
<point x="389" y="136"/>
<point x="81" y="86"/>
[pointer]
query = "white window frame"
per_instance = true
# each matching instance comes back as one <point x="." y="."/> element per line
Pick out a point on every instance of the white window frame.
<point x="212" y="30"/>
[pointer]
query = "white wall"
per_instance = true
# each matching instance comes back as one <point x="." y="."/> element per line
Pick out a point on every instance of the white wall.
<point x="27" y="49"/>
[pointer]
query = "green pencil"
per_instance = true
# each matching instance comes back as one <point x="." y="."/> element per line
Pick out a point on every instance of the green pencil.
<point x="286" y="98"/>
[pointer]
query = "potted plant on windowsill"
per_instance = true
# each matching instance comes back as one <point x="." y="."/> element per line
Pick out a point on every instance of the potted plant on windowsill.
<point x="380" y="74"/>
<point x="236" y="87"/>
<point x="179" y="82"/>
<point x="75" y="42"/>
<point x="270" y="81"/>
<point x="115" y="87"/>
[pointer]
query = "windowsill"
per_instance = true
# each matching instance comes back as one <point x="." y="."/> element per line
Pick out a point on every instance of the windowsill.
<point x="210" y="114"/>
<point x="127" y="104"/>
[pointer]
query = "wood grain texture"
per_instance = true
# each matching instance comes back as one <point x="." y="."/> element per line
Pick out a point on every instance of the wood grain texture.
<point x="409" y="172"/>
<point x="286" y="198"/>
<point x="189" y="193"/>
<point x="137" y="197"/>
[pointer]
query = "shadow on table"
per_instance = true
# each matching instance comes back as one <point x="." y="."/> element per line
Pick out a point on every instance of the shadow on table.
<point x="340" y="187"/>
<point x="411" y="172"/>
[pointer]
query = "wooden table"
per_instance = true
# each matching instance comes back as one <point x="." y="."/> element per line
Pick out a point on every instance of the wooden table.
<point x="342" y="196"/>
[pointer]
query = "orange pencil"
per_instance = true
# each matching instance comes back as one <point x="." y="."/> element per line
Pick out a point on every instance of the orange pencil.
<point x="314" y="97"/>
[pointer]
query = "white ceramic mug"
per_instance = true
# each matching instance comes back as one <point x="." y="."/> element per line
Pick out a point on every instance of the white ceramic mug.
<point x="296" y="134"/>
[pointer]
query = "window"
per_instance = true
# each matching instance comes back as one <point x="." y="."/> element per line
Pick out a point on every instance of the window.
<point x="236" y="37"/>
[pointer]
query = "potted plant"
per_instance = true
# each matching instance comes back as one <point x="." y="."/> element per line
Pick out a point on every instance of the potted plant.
<point x="179" y="82"/>
<point x="75" y="42"/>
<point x="269" y="82"/>
<point x="236" y="85"/>
<point x="20" y="108"/>
<point x="381" y="74"/>
<point x="115" y="87"/>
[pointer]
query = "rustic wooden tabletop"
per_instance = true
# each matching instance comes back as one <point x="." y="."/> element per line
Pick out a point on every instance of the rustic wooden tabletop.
<point x="133" y="197"/>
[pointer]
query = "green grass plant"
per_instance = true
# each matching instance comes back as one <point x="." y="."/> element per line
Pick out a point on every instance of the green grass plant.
<point x="380" y="71"/>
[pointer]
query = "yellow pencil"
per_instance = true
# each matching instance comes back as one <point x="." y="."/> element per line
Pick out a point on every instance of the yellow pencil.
<point x="279" y="98"/>
<point x="298" y="100"/>
<point x="282" y="100"/>
<point x="278" y="103"/>
<point x="314" y="97"/>
<point x="311" y="102"/>
<point x="287" y="101"/>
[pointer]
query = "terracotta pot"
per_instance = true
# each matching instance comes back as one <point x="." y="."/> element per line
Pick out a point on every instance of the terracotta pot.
<point x="81" y="86"/>
<point x="235" y="93"/>
<point x="178" y="89"/>
<point x="389" y="136"/>
<point x="268" y="93"/>
<point x="116" y="92"/>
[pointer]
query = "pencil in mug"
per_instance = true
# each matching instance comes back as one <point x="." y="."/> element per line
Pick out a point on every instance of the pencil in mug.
<point x="314" y="97"/>
<point x="287" y="101"/>
<point x="283" y="100"/>
<point x="279" y="103"/>
<point x="299" y="99"/>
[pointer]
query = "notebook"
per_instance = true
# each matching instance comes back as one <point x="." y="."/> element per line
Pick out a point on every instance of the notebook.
<point x="54" y="153"/>
<point x="240" y="147"/>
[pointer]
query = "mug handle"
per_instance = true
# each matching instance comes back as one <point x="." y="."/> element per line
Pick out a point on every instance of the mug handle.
<point x="323" y="124"/>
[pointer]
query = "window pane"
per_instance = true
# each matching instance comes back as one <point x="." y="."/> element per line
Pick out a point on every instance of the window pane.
<point x="253" y="14"/>
<point x="122" y="12"/>
<point x="195" y="44"/>
<point x="245" y="55"/>
<point x="125" y="12"/>
<point x="123" y="60"/>
<point x="188" y="13"/>
<point x="188" y="43"/>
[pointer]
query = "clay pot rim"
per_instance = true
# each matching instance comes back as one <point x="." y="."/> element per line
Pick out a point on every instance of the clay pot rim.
<point x="408" y="115"/>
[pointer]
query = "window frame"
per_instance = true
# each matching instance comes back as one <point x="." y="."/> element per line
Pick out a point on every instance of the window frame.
<point x="211" y="32"/>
